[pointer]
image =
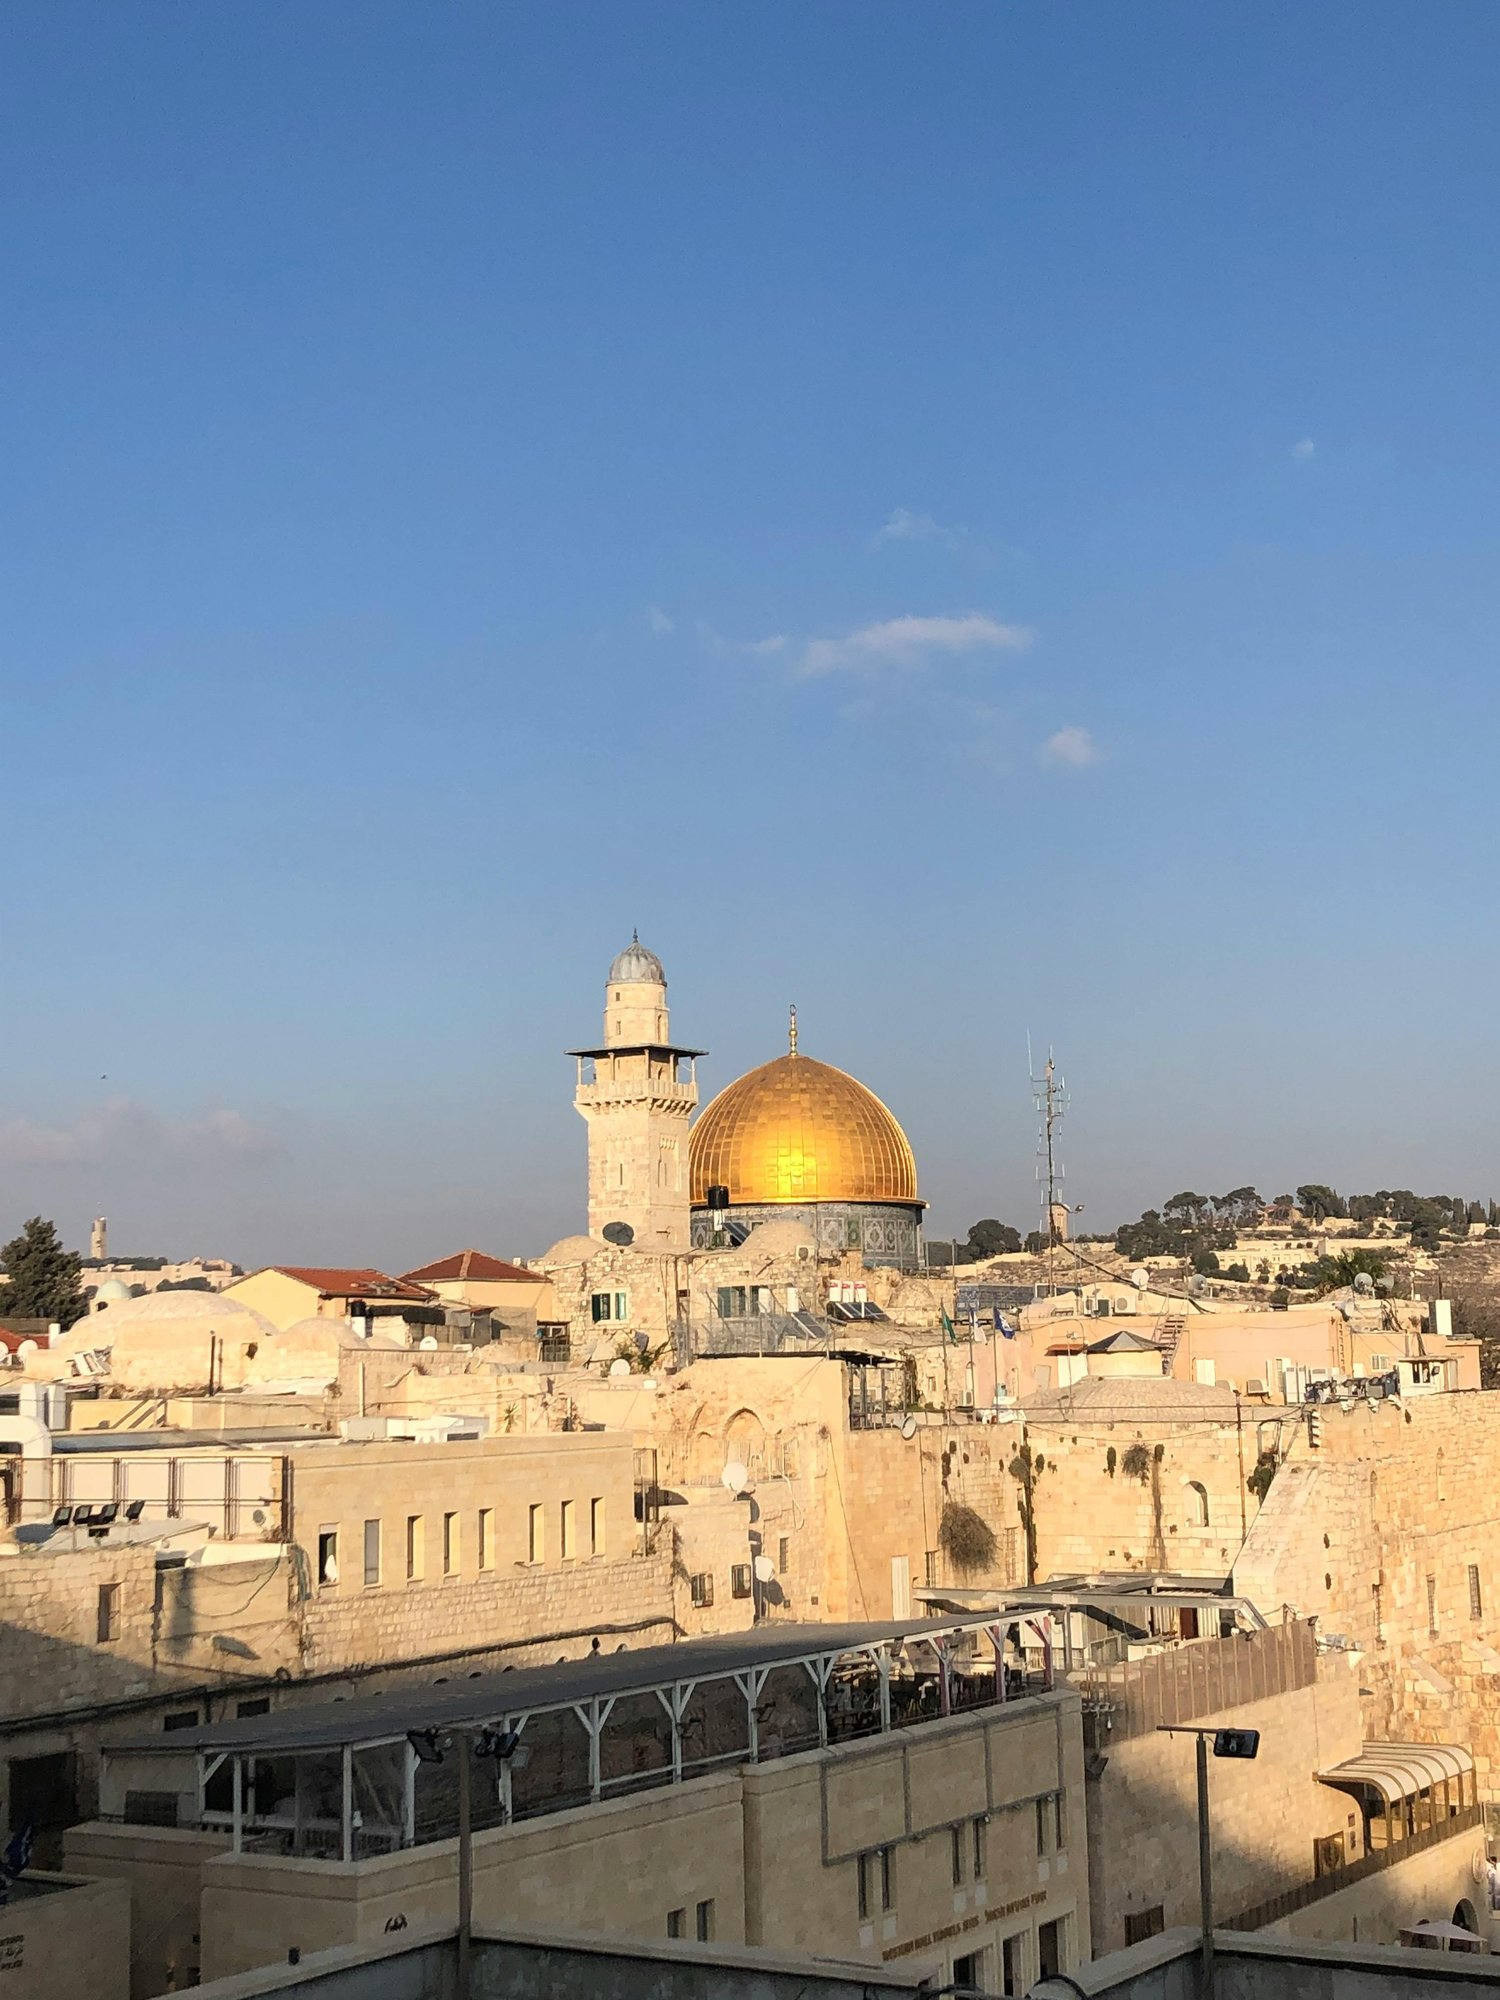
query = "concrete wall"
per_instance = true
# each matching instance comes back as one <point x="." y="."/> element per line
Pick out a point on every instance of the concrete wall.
<point x="1273" y="1968"/>
<point x="160" y="1871"/>
<point x="62" y="1935"/>
<point x="1143" y="1818"/>
<point x="518" y="1967"/>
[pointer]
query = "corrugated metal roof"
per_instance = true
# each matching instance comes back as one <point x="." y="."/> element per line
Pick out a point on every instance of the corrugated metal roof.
<point x="376" y="1717"/>
<point x="1398" y="1770"/>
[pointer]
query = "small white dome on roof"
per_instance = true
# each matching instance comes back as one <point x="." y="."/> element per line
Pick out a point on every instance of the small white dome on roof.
<point x="782" y="1237"/>
<point x="574" y="1250"/>
<point x="183" y="1309"/>
<point x="111" y="1290"/>
<point x="636" y="964"/>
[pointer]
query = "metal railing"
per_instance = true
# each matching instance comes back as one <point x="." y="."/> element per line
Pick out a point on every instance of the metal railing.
<point x="1274" y="1908"/>
<point x="1196" y="1678"/>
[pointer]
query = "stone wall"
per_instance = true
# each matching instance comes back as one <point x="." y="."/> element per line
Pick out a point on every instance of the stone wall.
<point x="1384" y="1530"/>
<point x="558" y="1611"/>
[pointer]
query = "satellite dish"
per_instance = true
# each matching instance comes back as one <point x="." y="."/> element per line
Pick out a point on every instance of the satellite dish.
<point x="735" y="1477"/>
<point x="619" y="1233"/>
<point x="1140" y="1278"/>
<point x="619" y="1367"/>
<point x="908" y="1428"/>
<point x="642" y="1342"/>
<point x="764" y="1569"/>
<point x="428" y="1341"/>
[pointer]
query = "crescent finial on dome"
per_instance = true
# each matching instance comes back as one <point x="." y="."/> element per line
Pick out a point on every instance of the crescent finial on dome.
<point x="791" y="1033"/>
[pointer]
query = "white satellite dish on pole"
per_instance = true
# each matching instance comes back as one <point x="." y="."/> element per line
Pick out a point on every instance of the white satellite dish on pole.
<point x="908" y="1427"/>
<point x="764" y="1569"/>
<point x="735" y="1477"/>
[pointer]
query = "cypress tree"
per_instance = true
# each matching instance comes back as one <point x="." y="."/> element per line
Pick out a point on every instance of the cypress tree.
<point x="44" y="1279"/>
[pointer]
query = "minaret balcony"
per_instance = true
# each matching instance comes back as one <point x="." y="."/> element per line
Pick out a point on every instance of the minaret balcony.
<point x="662" y="1092"/>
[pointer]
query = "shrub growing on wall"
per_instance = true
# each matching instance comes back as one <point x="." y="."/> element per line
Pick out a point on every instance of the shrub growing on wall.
<point x="966" y="1539"/>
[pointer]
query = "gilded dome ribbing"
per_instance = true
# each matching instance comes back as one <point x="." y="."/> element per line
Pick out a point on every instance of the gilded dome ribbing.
<point x="796" y="1130"/>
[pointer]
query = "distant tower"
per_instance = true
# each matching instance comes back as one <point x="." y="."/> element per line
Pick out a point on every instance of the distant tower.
<point x="99" y="1240"/>
<point x="637" y="1094"/>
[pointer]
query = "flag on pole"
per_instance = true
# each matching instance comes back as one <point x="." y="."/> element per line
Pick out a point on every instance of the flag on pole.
<point x="1003" y="1326"/>
<point x="948" y="1327"/>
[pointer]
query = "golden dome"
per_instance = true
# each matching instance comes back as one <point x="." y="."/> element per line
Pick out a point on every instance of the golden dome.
<point x="796" y="1130"/>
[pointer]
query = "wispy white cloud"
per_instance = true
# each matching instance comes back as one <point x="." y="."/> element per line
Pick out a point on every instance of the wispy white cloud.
<point x="1071" y="747"/>
<point x="126" y="1130"/>
<point x="776" y="643"/>
<point x="910" y="642"/>
<point x="658" y="620"/>
<point x="902" y="525"/>
<point x="1304" y="448"/>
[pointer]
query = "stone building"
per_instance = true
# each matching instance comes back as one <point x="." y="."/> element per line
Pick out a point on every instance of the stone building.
<point x="876" y="1792"/>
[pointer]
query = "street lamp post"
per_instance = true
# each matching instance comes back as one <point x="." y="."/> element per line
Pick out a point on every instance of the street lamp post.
<point x="469" y="1741"/>
<point x="1241" y="1743"/>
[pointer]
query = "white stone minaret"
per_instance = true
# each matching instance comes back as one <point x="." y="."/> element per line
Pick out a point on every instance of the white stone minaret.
<point x="99" y="1240"/>
<point x="637" y="1094"/>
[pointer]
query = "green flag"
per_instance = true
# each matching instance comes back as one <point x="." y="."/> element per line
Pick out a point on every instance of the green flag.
<point x="948" y="1328"/>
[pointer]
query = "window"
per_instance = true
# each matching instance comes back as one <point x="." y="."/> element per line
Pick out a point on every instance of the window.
<point x="705" y="1920"/>
<point x="181" y="1718"/>
<point x="1051" y="1948"/>
<point x="701" y="1590"/>
<point x="1476" y="1595"/>
<point x="740" y="1584"/>
<point x="416" y="1549"/>
<point x="553" y="1343"/>
<point x="536" y="1534"/>
<point x="569" y="1544"/>
<point x="1432" y="1617"/>
<point x="1377" y="1606"/>
<point x="258" y="1704"/>
<point x="959" y="1857"/>
<point x="450" y="1545"/>
<point x="875" y="1873"/>
<point x="1197" y="1504"/>
<point x="610" y="1307"/>
<point x="484" y="1541"/>
<point x="979" y="1846"/>
<point x="109" y="1613"/>
<point x="677" y="1923"/>
<point x="372" y="1552"/>
<point x="596" y="1527"/>
<point x="930" y="1564"/>
<point x="783" y="1555"/>
<point x="1143" y="1924"/>
<point x="328" y="1557"/>
<point x="1051" y="1835"/>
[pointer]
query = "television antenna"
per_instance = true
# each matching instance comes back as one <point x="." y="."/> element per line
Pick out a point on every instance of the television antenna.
<point x="1049" y="1093"/>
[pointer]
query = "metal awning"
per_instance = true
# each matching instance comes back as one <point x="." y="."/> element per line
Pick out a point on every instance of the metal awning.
<point x="1400" y="1770"/>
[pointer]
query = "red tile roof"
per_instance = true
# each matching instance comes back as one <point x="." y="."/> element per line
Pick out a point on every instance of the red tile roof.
<point x="475" y="1264"/>
<point x="345" y="1284"/>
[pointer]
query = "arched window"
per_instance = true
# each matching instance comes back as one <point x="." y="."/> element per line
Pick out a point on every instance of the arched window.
<point x="1197" y="1504"/>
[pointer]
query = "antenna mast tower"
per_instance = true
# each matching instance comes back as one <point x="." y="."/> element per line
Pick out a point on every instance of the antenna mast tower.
<point x="1050" y="1095"/>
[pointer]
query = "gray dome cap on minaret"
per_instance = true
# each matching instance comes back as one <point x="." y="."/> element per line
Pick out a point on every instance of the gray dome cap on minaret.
<point x="636" y="964"/>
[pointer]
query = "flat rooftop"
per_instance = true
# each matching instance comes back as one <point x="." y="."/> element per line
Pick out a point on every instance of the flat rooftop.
<point x="481" y="1697"/>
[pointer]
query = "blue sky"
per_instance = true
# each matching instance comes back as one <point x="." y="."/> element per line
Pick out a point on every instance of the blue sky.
<point x="971" y="518"/>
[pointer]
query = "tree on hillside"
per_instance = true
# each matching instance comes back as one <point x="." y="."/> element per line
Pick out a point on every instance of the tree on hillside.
<point x="1319" y="1201"/>
<point x="990" y="1238"/>
<point x="44" y="1279"/>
